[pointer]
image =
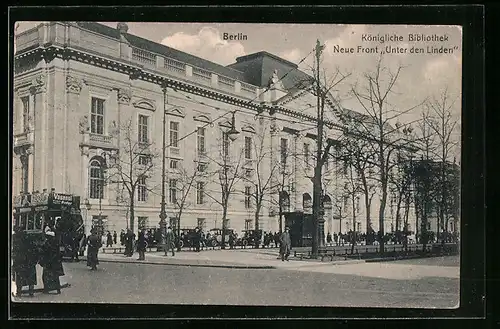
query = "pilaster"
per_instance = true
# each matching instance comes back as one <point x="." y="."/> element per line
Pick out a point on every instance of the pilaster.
<point x="73" y="89"/>
<point x="38" y="90"/>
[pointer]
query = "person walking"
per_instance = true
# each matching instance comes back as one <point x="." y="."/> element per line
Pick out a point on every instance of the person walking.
<point x="142" y="245"/>
<point x="170" y="241"/>
<point x="122" y="237"/>
<point x="285" y="244"/>
<point x="94" y="243"/>
<point x="114" y="237"/>
<point x="329" y="239"/>
<point x="129" y="243"/>
<point x="24" y="259"/>
<point x="109" y="240"/>
<point x="51" y="261"/>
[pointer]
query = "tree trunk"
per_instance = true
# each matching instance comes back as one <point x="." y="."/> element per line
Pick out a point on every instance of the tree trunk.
<point x="224" y="214"/>
<point x="353" y="242"/>
<point x="132" y="214"/>
<point x="257" y="213"/>
<point x="316" y="210"/>
<point x="383" y="202"/>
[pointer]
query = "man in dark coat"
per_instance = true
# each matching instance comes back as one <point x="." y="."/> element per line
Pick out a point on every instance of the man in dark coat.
<point x="122" y="237"/>
<point x="94" y="243"/>
<point x="51" y="261"/>
<point x="24" y="259"/>
<point x="129" y="243"/>
<point x="109" y="239"/>
<point x="170" y="241"/>
<point x="114" y="237"/>
<point x="142" y="245"/>
<point x="286" y="244"/>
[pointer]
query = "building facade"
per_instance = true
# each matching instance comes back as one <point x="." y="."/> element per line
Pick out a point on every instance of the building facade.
<point x="93" y="105"/>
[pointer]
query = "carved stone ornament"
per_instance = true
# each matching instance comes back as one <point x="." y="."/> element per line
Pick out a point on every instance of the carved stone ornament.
<point x="38" y="84"/>
<point x="73" y="84"/>
<point x="274" y="81"/>
<point x="124" y="96"/>
<point x="84" y="124"/>
<point x="85" y="150"/>
<point x="275" y="128"/>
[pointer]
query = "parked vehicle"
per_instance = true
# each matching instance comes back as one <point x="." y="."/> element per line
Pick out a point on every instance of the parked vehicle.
<point x="250" y="237"/>
<point x="216" y="236"/>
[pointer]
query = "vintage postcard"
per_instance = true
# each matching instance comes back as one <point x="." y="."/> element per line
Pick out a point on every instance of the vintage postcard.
<point x="219" y="164"/>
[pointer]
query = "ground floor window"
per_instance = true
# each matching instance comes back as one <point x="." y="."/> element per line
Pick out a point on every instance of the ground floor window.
<point x="202" y="223"/>
<point x="100" y="223"/>
<point x="248" y="224"/>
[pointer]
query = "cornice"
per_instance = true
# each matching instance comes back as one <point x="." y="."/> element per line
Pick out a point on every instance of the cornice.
<point x="138" y="72"/>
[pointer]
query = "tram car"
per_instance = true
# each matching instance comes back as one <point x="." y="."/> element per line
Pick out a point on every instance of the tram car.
<point x="61" y="212"/>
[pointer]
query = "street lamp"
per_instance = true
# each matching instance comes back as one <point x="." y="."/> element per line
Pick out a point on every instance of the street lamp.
<point x="232" y="134"/>
<point x="163" y="213"/>
<point x="88" y="206"/>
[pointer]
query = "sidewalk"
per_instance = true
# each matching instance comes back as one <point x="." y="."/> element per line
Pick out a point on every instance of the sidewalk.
<point x="236" y="259"/>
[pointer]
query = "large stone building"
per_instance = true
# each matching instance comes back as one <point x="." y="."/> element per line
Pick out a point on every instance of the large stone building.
<point x="88" y="99"/>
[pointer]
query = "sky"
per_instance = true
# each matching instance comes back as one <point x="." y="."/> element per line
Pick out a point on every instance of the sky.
<point x="424" y="75"/>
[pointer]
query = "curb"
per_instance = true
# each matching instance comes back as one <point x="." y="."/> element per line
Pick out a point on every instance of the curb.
<point x="65" y="285"/>
<point x="242" y="267"/>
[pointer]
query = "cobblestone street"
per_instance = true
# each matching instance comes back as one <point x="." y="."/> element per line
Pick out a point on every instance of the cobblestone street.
<point x="390" y="284"/>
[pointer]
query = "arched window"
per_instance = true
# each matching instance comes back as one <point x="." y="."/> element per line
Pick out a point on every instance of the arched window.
<point x="307" y="202"/>
<point x="96" y="179"/>
<point x="284" y="201"/>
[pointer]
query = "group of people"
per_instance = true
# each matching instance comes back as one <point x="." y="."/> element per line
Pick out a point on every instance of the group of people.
<point x="27" y="254"/>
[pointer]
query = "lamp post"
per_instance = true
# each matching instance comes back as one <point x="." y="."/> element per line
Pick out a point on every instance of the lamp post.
<point x="163" y="213"/>
<point x="88" y="206"/>
<point x="232" y="135"/>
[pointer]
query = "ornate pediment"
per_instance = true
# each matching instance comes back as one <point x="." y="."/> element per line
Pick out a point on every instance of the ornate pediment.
<point x="176" y="111"/>
<point x="225" y="124"/>
<point x="246" y="127"/>
<point x="145" y="104"/>
<point x="203" y="118"/>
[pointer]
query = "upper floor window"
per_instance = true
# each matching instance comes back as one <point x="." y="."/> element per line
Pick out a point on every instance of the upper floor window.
<point x="248" y="147"/>
<point x="306" y="154"/>
<point x="144" y="160"/>
<point x="284" y="150"/>
<point x="225" y="144"/>
<point x="96" y="180"/>
<point x="174" y="134"/>
<point x="97" y="116"/>
<point x="141" y="189"/>
<point x="200" y="192"/>
<point x="26" y="112"/>
<point x="201" y="140"/>
<point x="202" y="167"/>
<point x="143" y="129"/>
<point x="172" y="187"/>
<point x="248" y="195"/>
<point x="174" y="164"/>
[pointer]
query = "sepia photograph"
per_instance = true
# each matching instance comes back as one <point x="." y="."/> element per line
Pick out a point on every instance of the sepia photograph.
<point x="236" y="164"/>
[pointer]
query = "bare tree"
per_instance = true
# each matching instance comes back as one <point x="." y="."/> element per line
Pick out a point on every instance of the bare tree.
<point x="443" y="124"/>
<point x="227" y="175"/>
<point x="374" y="97"/>
<point x="134" y="165"/>
<point x="260" y="177"/>
<point x="353" y="189"/>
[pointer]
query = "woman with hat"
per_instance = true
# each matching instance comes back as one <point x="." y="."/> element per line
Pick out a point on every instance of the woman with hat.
<point x="24" y="259"/>
<point x="51" y="261"/>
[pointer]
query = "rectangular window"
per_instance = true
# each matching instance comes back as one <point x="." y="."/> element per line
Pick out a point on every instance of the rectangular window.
<point x="174" y="164"/>
<point x="200" y="193"/>
<point x="202" y="223"/>
<point x="225" y="144"/>
<point x="141" y="189"/>
<point x="248" y="147"/>
<point x="25" y="173"/>
<point x="201" y="140"/>
<point x="284" y="150"/>
<point x="97" y="116"/>
<point x="248" y="197"/>
<point x="172" y="187"/>
<point x="143" y="129"/>
<point x="26" y="112"/>
<point x="174" y="134"/>
<point x="96" y="178"/>
<point x="248" y="224"/>
<point x="142" y="222"/>
<point x="144" y="160"/>
<point x="202" y="167"/>
<point x="306" y="154"/>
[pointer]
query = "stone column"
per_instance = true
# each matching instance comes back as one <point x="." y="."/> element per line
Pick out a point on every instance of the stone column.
<point x="84" y="158"/>
<point x="70" y="161"/>
<point x="31" y="170"/>
<point x="38" y="122"/>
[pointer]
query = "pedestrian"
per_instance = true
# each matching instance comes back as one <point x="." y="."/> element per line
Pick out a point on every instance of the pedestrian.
<point x="129" y="243"/>
<point x="197" y="239"/>
<point x="285" y="244"/>
<point x="94" y="243"/>
<point x="142" y="245"/>
<point x="169" y="241"/>
<point x="109" y="240"/>
<point x="24" y="259"/>
<point x="122" y="237"/>
<point x="114" y="237"/>
<point x="51" y="261"/>
<point x="329" y="239"/>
